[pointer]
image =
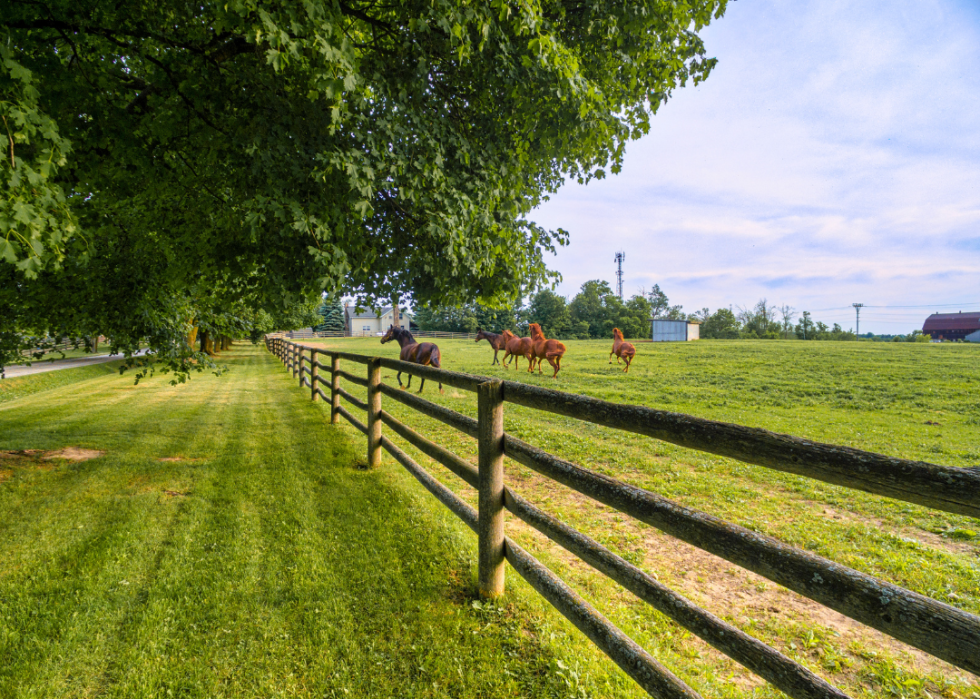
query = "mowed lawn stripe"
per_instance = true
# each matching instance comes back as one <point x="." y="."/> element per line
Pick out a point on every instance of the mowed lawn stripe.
<point x="264" y="563"/>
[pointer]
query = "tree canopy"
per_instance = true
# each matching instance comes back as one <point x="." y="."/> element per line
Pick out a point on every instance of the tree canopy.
<point x="170" y="160"/>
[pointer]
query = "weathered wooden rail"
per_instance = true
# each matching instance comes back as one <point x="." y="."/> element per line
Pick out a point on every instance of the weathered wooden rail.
<point x="935" y="627"/>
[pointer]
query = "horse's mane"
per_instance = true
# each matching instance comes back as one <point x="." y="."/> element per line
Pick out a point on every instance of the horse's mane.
<point x="405" y="332"/>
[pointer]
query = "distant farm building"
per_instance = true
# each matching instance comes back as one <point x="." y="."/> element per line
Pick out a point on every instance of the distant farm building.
<point x="675" y="330"/>
<point x="367" y="323"/>
<point x="952" y="326"/>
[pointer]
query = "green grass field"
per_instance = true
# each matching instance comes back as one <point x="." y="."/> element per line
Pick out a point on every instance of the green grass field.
<point x="913" y="401"/>
<point x="260" y="560"/>
<point x="228" y="545"/>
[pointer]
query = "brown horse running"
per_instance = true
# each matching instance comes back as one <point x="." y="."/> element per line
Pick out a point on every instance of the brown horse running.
<point x="622" y="349"/>
<point x="543" y="348"/>
<point x="496" y="341"/>
<point x="516" y="347"/>
<point x="424" y="353"/>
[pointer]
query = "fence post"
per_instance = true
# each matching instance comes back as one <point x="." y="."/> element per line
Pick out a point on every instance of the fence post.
<point x="334" y="389"/>
<point x="295" y="349"/>
<point x="490" y="410"/>
<point x="299" y="368"/>
<point x="314" y="375"/>
<point x="374" y="413"/>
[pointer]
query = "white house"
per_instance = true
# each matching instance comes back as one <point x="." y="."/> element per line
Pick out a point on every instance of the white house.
<point x="369" y="322"/>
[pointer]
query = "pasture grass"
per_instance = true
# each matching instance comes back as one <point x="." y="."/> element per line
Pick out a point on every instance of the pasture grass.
<point x="22" y="386"/>
<point x="230" y="544"/>
<point x="917" y="401"/>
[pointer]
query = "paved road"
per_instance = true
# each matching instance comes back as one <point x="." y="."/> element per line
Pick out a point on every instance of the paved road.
<point x="48" y="365"/>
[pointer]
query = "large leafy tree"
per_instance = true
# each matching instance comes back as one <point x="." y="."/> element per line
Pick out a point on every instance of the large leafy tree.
<point x="257" y="152"/>
<point x="550" y="311"/>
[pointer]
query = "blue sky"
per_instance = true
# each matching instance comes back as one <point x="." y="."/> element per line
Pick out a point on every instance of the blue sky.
<point x="832" y="157"/>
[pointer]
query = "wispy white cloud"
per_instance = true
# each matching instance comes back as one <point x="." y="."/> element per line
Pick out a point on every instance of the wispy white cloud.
<point x="833" y="156"/>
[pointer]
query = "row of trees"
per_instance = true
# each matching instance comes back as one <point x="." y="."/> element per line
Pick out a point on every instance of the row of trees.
<point x="596" y="310"/>
<point x="765" y="321"/>
<point x="592" y="313"/>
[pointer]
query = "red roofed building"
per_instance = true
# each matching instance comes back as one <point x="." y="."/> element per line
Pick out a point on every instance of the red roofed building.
<point x="951" y="326"/>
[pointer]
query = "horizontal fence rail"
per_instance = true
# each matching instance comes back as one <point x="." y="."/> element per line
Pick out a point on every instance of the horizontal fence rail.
<point x="937" y="628"/>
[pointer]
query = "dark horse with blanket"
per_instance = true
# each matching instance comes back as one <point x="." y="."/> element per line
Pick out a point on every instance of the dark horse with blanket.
<point x="424" y="353"/>
<point x="496" y="341"/>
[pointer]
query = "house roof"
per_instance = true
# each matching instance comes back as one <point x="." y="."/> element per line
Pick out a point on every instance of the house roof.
<point x="372" y="315"/>
<point x="938" y="322"/>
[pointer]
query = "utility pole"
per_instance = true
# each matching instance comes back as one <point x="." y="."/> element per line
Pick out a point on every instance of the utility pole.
<point x="857" y="309"/>
<point x="620" y="256"/>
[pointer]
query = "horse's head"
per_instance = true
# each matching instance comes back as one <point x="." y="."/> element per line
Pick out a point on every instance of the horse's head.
<point x="480" y="335"/>
<point x="617" y="334"/>
<point x="390" y="335"/>
<point x="535" y="330"/>
<point x="507" y="334"/>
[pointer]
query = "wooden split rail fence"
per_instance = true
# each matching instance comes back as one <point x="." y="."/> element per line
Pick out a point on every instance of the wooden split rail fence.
<point x="934" y="627"/>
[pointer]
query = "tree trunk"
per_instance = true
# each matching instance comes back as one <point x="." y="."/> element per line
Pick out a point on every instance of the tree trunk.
<point x="207" y="343"/>
<point x="192" y="336"/>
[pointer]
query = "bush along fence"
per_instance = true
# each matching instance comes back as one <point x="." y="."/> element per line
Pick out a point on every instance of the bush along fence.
<point x="934" y="627"/>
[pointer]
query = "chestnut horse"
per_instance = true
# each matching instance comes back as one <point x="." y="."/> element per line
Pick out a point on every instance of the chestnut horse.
<point x="496" y="341"/>
<point x="543" y="348"/>
<point x="622" y="349"/>
<point x="424" y="353"/>
<point x="516" y="347"/>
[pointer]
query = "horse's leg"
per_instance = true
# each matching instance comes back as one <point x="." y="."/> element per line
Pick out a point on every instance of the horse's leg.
<point x="495" y="360"/>
<point x="399" y="377"/>
<point x="610" y="356"/>
<point x="436" y="361"/>
<point x="555" y="364"/>
<point x="422" y="386"/>
<point x="409" y="385"/>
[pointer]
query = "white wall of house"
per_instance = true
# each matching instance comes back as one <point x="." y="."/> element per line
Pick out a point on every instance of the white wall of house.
<point x="372" y="325"/>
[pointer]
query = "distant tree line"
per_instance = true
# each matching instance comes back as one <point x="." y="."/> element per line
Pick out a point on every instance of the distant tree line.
<point x="591" y="313"/>
<point x="595" y="310"/>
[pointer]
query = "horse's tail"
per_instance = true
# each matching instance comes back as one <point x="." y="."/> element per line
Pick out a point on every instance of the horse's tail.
<point x="434" y="358"/>
<point x="557" y="352"/>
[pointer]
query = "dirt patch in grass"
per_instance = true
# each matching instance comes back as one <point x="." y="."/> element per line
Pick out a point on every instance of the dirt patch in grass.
<point x="174" y="459"/>
<point x="38" y="458"/>
<point x="72" y="454"/>
<point x="175" y="493"/>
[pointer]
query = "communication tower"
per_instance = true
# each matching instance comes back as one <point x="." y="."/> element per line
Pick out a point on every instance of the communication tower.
<point x="620" y="256"/>
<point x="857" y="309"/>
